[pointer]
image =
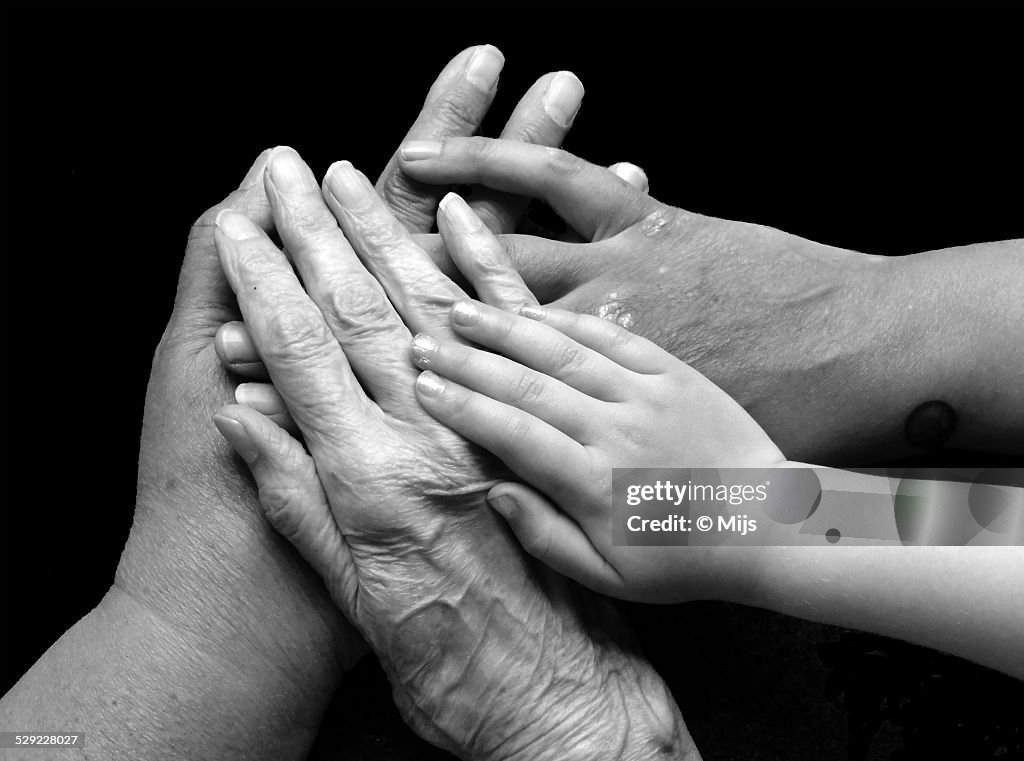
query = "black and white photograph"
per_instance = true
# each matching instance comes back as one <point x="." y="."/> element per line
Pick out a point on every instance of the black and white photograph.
<point x="514" y="383"/>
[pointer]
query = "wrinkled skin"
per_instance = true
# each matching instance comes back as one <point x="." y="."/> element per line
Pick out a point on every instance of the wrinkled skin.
<point x="488" y="656"/>
<point x="216" y="640"/>
<point x="792" y="329"/>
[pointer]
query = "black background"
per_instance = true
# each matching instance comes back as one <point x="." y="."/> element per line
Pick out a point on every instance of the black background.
<point x="882" y="132"/>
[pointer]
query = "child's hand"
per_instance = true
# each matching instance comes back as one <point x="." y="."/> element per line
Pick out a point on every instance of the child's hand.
<point x="567" y="398"/>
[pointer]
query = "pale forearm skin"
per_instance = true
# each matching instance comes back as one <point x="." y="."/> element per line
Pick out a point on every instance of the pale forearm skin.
<point x="964" y="600"/>
<point x="959" y="600"/>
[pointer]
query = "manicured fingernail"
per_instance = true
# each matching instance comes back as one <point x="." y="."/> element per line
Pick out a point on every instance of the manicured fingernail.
<point x="458" y="213"/>
<point x="236" y="226"/>
<point x="423" y="348"/>
<point x="484" y="67"/>
<point x="237" y="437"/>
<point x="348" y="186"/>
<point x="429" y="384"/>
<point x="533" y="312"/>
<point x="234" y="344"/>
<point x="504" y="505"/>
<point x="262" y="397"/>
<point x="465" y="313"/>
<point x="418" y="150"/>
<point x="563" y="97"/>
<point x="632" y="174"/>
<point x="290" y="174"/>
<point x="255" y="173"/>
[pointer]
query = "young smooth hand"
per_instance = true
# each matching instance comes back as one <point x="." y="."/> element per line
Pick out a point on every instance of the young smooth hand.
<point x="561" y="399"/>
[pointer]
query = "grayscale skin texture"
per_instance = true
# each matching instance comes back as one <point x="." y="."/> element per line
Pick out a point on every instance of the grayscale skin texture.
<point x="216" y="641"/>
<point x="830" y="350"/>
<point x="489" y="656"/>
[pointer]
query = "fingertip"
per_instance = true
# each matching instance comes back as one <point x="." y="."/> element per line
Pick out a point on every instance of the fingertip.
<point x="236" y="434"/>
<point x="503" y="503"/>
<point x="255" y="174"/>
<point x="424" y="348"/>
<point x="533" y="312"/>
<point x="236" y="226"/>
<point x="464" y="314"/>
<point x="632" y="174"/>
<point x="429" y="384"/>
<point x="234" y="345"/>
<point x="562" y="98"/>
<point x="262" y="397"/>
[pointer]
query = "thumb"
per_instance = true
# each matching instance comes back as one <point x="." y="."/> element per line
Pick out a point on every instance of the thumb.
<point x="291" y="495"/>
<point x="552" y="537"/>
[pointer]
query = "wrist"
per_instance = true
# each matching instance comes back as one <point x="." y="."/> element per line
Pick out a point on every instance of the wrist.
<point x="234" y="588"/>
<point x="143" y="688"/>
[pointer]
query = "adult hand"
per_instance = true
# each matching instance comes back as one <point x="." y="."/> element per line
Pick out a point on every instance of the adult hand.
<point x="216" y="639"/>
<point x="830" y="350"/>
<point x="487" y="658"/>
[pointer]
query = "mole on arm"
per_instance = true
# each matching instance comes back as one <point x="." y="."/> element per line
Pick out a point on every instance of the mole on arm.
<point x="929" y="425"/>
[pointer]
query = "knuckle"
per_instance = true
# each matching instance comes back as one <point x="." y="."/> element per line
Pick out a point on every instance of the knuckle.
<point x="479" y="149"/>
<point x="293" y="334"/>
<point x="516" y="430"/>
<point x="357" y="305"/>
<point x="457" y="114"/>
<point x="562" y="164"/>
<point x="566" y="358"/>
<point x="527" y="387"/>
<point x="307" y="221"/>
<point x="404" y="200"/>
<point x="252" y="260"/>
<point x="284" y="506"/>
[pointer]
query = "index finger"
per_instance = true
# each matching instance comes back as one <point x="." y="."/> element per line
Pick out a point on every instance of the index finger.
<point x="303" y="358"/>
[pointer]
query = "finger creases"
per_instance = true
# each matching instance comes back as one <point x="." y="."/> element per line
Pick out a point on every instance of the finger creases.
<point x="417" y="289"/>
<point x="305" y="362"/>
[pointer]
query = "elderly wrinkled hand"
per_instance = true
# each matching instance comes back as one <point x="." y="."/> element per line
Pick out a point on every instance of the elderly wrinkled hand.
<point x="487" y="658"/>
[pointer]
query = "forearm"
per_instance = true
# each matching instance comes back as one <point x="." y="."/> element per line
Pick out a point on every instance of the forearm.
<point x="138" y="688"/>
<point x="960" y="599"/>
<point x="935" y="329"/>
<point x="960" y="322"/>
<point x="832" y="351"/>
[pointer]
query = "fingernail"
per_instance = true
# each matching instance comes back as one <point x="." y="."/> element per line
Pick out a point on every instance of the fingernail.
<point x="632" y="174"/>
<point x="458" y="213"/>
<point x="503" y="504"/>
<point x="423" y="348"/>
<point x="484" y="67"/>
<point x="255" y="173"/>
<point x="465" y="313"/>
<point x="234" y="344"/>
<point x="261" y="397"/>
<point x="533" y="312"/>
<point x="348" y="185"/>
<point x="237" y="437"/>
<point x="563" y="98"/>
<point x="418" y="150"/>
<point x="290" y="174"/>
<point x="236" y="226"/>
<point x="429" y="384"/>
